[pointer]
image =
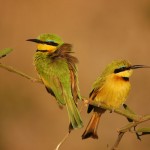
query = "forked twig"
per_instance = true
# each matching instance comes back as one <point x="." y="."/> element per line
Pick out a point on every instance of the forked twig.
<point x="127" y="128"/>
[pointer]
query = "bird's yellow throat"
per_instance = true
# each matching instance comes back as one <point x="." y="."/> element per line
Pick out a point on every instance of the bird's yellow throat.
<point x="44" y="47"/>
<point x="126" y="73"/>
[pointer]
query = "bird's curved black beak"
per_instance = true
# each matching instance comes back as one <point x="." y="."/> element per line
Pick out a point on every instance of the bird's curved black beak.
<point x="34" y="40"/>
<point x="139" y="66"/>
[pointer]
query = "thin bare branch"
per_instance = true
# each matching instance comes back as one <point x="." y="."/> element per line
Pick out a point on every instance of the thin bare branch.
<point x="115" y="147"/>
<point x="133" y="124"/>
<point x="127" y="128"/>
<point x="62" y="141"/>
<point x="11" y="69"/>
<point x="119" y="111"/>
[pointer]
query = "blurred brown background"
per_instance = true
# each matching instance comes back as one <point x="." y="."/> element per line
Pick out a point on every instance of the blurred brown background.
<point x="100" y="32"/>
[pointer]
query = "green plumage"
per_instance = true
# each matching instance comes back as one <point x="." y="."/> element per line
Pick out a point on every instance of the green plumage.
<point x="58" y="72"/>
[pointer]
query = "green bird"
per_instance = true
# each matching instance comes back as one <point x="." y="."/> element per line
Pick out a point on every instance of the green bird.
<point x="58" y="71"/>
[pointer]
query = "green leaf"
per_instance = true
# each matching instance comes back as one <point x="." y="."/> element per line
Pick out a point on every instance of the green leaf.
<point x="5" y="51"/>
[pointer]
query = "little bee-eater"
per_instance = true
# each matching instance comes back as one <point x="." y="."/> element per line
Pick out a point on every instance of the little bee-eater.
<point x="58" y="71"/>
<point x="111" y="89"/>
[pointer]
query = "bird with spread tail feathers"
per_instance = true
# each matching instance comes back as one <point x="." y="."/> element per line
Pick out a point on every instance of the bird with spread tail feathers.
<point x="58" y="71"/>
<point x="111" y="89"/>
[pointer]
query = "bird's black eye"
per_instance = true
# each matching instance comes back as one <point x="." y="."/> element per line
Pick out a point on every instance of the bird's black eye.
<point x="121" y="69"/>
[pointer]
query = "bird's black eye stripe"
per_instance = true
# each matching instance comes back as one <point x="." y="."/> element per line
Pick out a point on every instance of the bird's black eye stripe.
<point x="52" y="43"/>
<point x="121" y="69"/>
<point x="45" y="42"/>
<point x="49" y="43"/>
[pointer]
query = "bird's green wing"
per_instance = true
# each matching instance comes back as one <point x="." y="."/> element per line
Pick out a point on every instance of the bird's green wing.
<point x="97" y="86"/>
<point x="58" y="79"/>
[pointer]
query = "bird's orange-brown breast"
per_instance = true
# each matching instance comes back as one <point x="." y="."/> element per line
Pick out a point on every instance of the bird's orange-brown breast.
<point x="114" y="91"/>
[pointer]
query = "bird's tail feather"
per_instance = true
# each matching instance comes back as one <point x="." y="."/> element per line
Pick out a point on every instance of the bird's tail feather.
<point x="91" y="129"/>
<point x="74" y="114"/>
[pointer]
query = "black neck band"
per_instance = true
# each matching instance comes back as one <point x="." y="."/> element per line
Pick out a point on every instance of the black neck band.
<point x="125" y="78"/>
<point x="41" y="50"/>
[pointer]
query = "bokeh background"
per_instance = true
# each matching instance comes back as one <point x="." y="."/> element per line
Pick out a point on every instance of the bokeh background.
<point x="100" y="31"/>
